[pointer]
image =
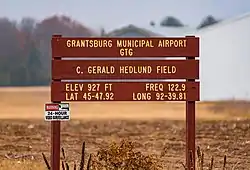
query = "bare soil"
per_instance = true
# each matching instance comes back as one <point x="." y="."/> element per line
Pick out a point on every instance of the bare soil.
<point x="155" y="127"/>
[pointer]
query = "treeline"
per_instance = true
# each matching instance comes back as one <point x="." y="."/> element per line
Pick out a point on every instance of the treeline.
<point x="25" y="50"/>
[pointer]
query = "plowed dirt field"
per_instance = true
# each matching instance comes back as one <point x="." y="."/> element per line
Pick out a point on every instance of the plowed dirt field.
<point x="223" y="128"/>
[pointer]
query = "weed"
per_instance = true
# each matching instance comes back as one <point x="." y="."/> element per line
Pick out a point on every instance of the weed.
<point x="124" y="156"/>
<point x="65" y="164"/>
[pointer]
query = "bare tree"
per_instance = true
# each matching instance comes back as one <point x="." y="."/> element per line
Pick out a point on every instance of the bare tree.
<point x="11" y="44"/>
<point x="56" y="25"/>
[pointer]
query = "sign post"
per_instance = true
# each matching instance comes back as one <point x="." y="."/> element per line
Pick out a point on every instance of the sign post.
<point x="55" y="128"/>
<point x="190" y="130"/>
<point x="102" y="70"/>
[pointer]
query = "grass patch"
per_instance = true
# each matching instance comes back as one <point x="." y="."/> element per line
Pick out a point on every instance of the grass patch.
<point x="230" y="107"/>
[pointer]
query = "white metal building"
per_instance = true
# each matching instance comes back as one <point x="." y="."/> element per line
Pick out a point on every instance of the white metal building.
<point x="225" y="59"/>
<point x="224" y="55"/>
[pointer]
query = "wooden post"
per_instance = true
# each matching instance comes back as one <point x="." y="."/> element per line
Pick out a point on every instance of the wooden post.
<point x="190" y="129"/>
<point x="190" y="135"/>
<point x="55" y="134"/>
<point x="55" y="145"/>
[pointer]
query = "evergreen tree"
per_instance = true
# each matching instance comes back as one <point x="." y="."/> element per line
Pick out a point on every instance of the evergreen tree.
<point x="207" y="21"/>
<point x="171" y="21"/>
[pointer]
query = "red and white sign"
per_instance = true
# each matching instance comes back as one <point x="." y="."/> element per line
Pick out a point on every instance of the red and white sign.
<point x="57" y="112"/>
<point x="51" y="107"/>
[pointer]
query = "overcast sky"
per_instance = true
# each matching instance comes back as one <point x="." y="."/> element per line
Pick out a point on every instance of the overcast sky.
<point x="115" y="13"/>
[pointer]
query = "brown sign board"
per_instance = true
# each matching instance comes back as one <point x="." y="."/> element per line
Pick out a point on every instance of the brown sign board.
<point x="124" y="69"/>
<point x="124" y="91"/>
<point x="104" y="47"/>
<point x="125" y="47"/>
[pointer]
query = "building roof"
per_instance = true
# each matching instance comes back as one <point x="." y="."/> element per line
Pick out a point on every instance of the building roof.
<point x="224" y="22"/>
<point x="130" y="28"/>
<point x="156" y="30"/>
<point x="153" y="31"/>
<point x="171" y="31"/>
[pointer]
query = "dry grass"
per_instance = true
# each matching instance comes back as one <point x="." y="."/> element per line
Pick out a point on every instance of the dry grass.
<point x="232" y="108"/>
<point x="14" y="105"/>
<point x="157" y="130"/>
<point x="124" y="156"/>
